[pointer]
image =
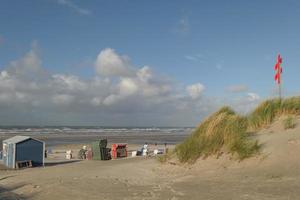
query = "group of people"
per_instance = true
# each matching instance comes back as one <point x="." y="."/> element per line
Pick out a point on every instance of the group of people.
<point x="145" y="150"/>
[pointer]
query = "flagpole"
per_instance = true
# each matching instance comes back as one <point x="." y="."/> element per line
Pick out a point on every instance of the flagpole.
<point x="278" y="75"/>
<point x="279" y="86"/>
<point x="280" y="82"/>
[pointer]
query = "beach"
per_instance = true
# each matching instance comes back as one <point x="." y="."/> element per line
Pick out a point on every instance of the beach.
<point x="59" y="141"/>
<point x="273" y="174"/>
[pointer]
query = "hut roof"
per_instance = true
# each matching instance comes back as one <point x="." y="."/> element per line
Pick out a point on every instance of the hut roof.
<point x="18" y="139"/>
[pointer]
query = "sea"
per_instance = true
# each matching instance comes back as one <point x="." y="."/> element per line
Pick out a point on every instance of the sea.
<point x="60" y="135"/>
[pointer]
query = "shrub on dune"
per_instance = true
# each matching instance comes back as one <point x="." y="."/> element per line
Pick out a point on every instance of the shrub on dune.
<point x="269" y="110"/>
<point x="226" y="131"/>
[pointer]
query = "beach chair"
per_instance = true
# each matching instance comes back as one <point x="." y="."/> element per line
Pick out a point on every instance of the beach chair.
<point x="158" y="151"/>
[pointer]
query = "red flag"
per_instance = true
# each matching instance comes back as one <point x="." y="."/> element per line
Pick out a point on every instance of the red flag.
<point x="276" y="76"/>
<point x="279" y="59"/>
<point x="278" y="69"/>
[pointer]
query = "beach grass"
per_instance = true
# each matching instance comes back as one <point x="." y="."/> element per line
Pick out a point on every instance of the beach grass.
<point x="269" y="110"/>
<point x="227" y="131"/>
<point x="165" y="157"/>
<point x="223" y="131"/>
<point x="289" y="122"/>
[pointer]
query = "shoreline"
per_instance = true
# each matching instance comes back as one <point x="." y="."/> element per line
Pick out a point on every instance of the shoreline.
<point x="53" y="140"/>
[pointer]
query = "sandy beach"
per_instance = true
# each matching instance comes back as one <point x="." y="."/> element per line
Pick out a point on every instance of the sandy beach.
<point x="274" y="174"/>
<point x="149" y="100"/>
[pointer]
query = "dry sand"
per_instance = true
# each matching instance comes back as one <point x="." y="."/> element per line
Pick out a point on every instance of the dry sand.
<point x="275" y="174"/>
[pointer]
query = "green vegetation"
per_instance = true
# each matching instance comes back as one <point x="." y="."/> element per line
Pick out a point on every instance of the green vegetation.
<point x="289" y="122"/>
<point x="226" y="131"/>
<point x="223" y="130"/>
<point x="269" y="110"/>
<point x="165" y="157"/>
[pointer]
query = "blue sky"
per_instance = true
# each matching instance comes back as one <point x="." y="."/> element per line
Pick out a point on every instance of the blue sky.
<point x="229" y="47"/>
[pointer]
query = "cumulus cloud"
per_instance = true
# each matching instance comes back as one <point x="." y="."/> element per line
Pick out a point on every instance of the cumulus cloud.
<point x="253" y="96"/>
<point x="237" y="88"/>
<point x="29" y="65"/>
<point x="142" y="84"/>
<point x="62" y="99"/>
<point x="128" y="87"/>
<point x="195" y="90"/>
<point x="28" y="88"/>
<point x="244" y="103"/>
<point x="69" y="82"/>
<point x="119" y="94"/>
<point x="109" y="63"/>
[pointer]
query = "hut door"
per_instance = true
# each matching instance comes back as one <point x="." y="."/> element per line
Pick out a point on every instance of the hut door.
<point x="10" y="156"/>
<point x="5" y="153"/>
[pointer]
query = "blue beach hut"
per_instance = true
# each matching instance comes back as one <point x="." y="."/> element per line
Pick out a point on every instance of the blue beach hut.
<point x="23" y="148"/>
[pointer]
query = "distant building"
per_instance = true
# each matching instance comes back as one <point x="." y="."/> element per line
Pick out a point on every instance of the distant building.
<point x="23" y="148"/>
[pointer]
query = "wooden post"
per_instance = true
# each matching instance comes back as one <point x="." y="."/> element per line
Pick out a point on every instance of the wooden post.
<point x="279" y="88"/>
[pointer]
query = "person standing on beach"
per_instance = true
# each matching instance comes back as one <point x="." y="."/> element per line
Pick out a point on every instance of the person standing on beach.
<point x="166" y="149"/>
<point x="145" y="146"/>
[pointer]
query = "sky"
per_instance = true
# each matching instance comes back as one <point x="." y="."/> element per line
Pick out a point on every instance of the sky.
<point x="142" y="63"/>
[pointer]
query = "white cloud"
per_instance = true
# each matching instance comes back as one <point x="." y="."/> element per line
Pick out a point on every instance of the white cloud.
<point x="4" y="75"/>
<point x="109" y="63"/>
<point x="195" y="90"/>
<point x="195" y="58"/>
<point x="75" y="7"/>
<point x="144" y="74"/>
<point x="62" y="99"/>
<point x="69" y="82"/>
<point x="111" y="99"/>
<point x="128" y="87"/>
<point x="244" y="103"/>
<point x="6" y="82"/>
<point x="141" y="97"/>
<point x="237" y="88"/>
<point x="96" y="101"/>
<point x="253" y="96"/>
<point x="28" y="65"/>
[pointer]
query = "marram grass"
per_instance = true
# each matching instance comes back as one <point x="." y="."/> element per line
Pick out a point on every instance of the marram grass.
<point x="289" y="122"/>
<point x="226" y="131"/>
<point x="269" y="110"/>
<point x="223" y="131"/>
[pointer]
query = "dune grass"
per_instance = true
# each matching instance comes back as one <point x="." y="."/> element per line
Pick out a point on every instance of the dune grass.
<point x="289" y="122"/>
<point x="165" y="157"/>
<point x="226" y="131"/>
<point x="269" y="110"/>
